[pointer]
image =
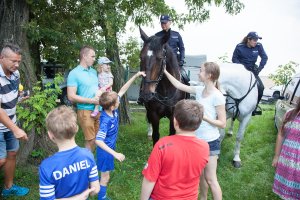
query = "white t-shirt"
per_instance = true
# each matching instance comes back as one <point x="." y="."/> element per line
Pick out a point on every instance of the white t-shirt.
<point x="207" y="131"/>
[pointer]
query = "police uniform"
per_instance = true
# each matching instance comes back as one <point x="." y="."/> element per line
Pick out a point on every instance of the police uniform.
<point x="176" y="43"/>
<point x="247" y="56"/>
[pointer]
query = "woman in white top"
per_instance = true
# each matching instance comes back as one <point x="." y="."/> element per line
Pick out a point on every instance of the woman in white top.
<point x="213" y="102"/>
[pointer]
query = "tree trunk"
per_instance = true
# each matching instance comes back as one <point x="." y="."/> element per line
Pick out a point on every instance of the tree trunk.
<point x="112" y="51"/>
<point x="14" y="15"/>
<point x="118" y="71"/>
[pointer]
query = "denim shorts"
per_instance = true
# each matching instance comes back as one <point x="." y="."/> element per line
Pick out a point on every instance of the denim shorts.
<point x="8" y="142"/>
<point x="214" y="147"/>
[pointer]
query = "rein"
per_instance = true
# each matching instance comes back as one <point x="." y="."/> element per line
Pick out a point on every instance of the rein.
<point x="237" y="101"/>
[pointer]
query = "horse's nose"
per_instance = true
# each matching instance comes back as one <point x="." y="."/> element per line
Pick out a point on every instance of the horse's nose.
<point x="149" y="96"/>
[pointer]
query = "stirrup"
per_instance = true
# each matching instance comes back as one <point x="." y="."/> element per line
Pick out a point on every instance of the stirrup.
<point x="257" y="111"/>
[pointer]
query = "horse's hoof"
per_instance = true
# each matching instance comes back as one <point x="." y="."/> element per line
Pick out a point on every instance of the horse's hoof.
<point x="149" y="137"/>
<point x="237" y="164"/>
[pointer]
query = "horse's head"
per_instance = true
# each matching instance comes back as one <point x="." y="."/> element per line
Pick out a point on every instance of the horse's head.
<point x="154" y="55"/>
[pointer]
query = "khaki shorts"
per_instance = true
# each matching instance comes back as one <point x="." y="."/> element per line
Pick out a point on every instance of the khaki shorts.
<point x="88" y="124"/>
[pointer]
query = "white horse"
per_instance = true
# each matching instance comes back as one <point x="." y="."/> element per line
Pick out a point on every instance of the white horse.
<point x="240" y="88"/>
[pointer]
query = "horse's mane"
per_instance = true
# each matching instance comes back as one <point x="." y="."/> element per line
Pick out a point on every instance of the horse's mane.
<point x="172" y="64"/>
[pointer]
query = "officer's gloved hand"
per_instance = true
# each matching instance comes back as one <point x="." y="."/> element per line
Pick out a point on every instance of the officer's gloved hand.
<point x="181" y="63"/>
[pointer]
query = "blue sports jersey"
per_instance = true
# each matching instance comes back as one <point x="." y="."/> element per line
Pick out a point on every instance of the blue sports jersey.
<point x="108" y="132"/>
<point x="67" y="173"/>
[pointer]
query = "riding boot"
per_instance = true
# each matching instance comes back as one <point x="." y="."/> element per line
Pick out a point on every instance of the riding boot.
<point x="185" y="79"/>
<point x="260" y="90"/>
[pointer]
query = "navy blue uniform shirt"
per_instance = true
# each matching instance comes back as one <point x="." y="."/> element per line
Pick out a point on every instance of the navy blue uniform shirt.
<point x="248" y="55"/>
<point x="175" y="42"/>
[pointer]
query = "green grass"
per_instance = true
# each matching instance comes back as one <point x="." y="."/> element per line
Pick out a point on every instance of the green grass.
<point x="253" y="181"/>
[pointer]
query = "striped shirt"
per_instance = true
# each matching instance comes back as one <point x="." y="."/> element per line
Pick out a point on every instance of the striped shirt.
<point x="9" y="87"/>
<point x="67" y="173"/>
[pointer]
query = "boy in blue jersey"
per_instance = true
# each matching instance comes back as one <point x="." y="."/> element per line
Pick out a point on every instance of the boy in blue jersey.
<point x="108" y="132"/>
<point x="71" y="173"/>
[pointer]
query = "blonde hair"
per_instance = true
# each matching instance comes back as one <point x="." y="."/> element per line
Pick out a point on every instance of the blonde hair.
<point x="100" y="68"/>
<point x="214" y="70"/>
<point x="108" y="99"/>
<point x="62" y="122"/>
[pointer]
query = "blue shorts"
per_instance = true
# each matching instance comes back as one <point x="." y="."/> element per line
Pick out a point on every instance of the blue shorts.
<point x="214" y="147"/>
<point x="105" y="161"/>
<point x="8" y="142"/>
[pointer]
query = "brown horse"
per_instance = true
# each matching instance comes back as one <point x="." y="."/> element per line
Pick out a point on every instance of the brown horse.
<point x="158" y="94"/>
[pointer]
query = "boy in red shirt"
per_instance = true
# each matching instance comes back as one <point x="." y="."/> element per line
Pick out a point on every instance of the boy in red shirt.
<point x="174" y="167"/>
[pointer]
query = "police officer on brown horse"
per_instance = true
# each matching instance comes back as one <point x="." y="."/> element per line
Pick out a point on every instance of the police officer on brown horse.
<point x="176" y="43"/>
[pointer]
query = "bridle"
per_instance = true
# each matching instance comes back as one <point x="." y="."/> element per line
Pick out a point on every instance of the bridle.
<point x="160" y="98"/>
<point x="162" y="67"/>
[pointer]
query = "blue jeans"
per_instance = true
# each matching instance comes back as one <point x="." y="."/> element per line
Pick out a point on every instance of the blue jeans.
<point x="214" y="147"/>
<point x="8" y="142"/>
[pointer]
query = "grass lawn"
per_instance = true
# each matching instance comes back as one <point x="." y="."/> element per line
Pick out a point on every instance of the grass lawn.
<point x="253" y="181"/>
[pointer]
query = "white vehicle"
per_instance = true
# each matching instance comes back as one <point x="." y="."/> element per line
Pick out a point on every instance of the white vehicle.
<point x="273" y="93"/>
<point x="287" y="100"/>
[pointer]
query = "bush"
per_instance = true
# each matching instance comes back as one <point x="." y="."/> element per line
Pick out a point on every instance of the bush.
<point x="33" y="111"/>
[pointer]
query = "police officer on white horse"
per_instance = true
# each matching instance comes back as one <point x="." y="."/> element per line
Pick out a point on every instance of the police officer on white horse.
<point x="246" y="53"/>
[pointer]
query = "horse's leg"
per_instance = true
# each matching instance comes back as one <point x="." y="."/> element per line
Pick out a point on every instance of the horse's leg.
<point x="155" y="127"/>
<point x="222" y="134"/>
<point x="150" y="131"/>
<point x="230" y="130"/>
<point x="171" y="128"/>
<point x="239" y="137"/>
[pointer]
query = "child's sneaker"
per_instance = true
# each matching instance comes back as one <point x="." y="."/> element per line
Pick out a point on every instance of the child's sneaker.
<point x="94" y="113"/>
<point x="15" y="191"/>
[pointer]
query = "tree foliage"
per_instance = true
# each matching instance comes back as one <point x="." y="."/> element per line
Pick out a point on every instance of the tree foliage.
<point x="130" y="53"/>
<point x="61" y="26"/>
<point x="284" y="73"/>
<point x="33" y="111"/>
<point x="55" y="30"/>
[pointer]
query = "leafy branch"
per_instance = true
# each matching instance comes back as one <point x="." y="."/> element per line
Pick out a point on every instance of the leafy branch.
<point x="33" y="111"/>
